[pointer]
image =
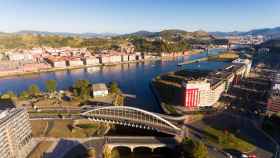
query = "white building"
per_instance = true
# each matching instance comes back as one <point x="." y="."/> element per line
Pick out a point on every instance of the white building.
<point x="116" y="58"/>
<point x="16" y="56"/>
<point x="132" y="57"/>
<point x="91" y="61"/>
<point x="15" y="133"/>
<point x="247" y="63"/>
<point x="104" y="59"/>
<point x="75" y="62"/>
<point x="124" y="58"/>
<point x="99" y="90"/>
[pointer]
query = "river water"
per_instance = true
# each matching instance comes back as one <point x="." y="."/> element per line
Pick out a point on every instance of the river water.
<point x="133" y="78"/>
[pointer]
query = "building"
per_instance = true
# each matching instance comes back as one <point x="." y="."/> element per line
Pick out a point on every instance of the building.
<point x="203" y="89"/>
<point x="99" y="90"/>
<point x="116" y="58"/>
<point x="124" y="58"/>
<point x="17" y="56"/>
<point x="202" y="93"/>
<point x="75" y="62"/>
<point x="56" y="62"/>
<point x="15" y="133"/>
<point x="91" y="61"/>
<point x="246" y="62"/>
<point x="273" y="103"/>
<point x="131" y="57"/>
<point x="104" y="59"/>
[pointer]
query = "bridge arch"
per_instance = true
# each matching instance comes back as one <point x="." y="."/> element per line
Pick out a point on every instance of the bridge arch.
<point x="131" y="116"/>
<point x="140" y="149"/>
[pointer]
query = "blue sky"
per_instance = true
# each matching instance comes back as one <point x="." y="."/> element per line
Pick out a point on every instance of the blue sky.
<point x="122" y="16"/>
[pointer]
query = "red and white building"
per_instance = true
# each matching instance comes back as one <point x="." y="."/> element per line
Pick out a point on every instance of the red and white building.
<point x="201" y="93"/>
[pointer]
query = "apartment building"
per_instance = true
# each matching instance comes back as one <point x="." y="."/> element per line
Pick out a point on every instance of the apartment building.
<point x="273" y="103"/>
<point x="15" y="133"/>
<point x="75" y="62"/>
<point x="18" y="56"/>
<point x="91" y="61"/>
<point x="204" y="89"/>
<point x="247" y="63"/>
<point x="201" y="93"/>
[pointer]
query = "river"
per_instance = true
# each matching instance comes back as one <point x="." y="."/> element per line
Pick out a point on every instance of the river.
<point x="133" y="78"/>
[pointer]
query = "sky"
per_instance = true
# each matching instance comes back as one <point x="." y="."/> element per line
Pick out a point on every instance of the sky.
<point x="124" y="16"/>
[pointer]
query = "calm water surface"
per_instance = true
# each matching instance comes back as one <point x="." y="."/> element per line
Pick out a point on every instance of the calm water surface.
<point x="133" y="78"/>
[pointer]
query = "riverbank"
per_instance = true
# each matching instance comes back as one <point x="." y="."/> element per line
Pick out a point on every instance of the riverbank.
<point x="154" y="58"/>
<point x="224" y="56"/>
<point x="70" y="68"/>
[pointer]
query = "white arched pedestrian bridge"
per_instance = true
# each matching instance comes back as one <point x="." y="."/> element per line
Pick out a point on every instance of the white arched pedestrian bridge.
<point x="130" y="116"/>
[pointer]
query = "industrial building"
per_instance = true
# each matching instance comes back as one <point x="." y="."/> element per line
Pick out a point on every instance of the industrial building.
<point x="15" y="133"/>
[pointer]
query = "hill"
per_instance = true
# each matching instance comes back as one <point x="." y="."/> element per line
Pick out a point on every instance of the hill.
<point x="171" y="34"/>
<point x="143" y="33"/>
<point x="273" y="44"/>
<point x="66" y="34"/>
<point x="266" y="32"/>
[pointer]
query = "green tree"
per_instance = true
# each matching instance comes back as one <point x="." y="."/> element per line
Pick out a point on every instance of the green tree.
<point x="115" y="153"/>
<point x="91" y="153"/>
<point x="23" y="95"/>
<point x="114" y="88"/>
<point x="200" y="150"/>
<point x="8" y="95"/>
<point x="194" y="149"/>
<point x="82" y="89"/>
<point x="51" y="86"/>
<point x="33" y="90"/>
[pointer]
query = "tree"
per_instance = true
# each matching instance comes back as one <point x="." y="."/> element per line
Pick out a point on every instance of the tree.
<point x="82" y="88"/>
<point x="194" y="149"/>
<point x="8" y="95"/>
<point x="115" y="153"/>
<point x="51" y="86"/>
<point x="200" y="150"/>
<point x="91" y="153"/>
<point x="23" y="95"/>
<point x="114" y="88"/>
<point x="33" y="90"/>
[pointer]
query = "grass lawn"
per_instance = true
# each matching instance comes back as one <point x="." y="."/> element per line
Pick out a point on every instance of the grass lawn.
<point x="38" y="127"/>
<point x="226" y="140"/>
<point x="66" y="128"/>
<point x="40" y="149"/>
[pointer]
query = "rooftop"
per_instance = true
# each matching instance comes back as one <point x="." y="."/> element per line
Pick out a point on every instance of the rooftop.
<point x="99" y="87"/>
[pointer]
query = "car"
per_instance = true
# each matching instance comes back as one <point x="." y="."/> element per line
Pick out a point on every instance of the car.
<point x="244" y="156"/>
<point x="228" y="155"/>
<point x="252" y="156"/>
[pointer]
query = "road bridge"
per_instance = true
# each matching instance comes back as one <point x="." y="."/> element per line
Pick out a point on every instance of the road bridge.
<point x="132" y="117"/>
<point x="139" y="142"/>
